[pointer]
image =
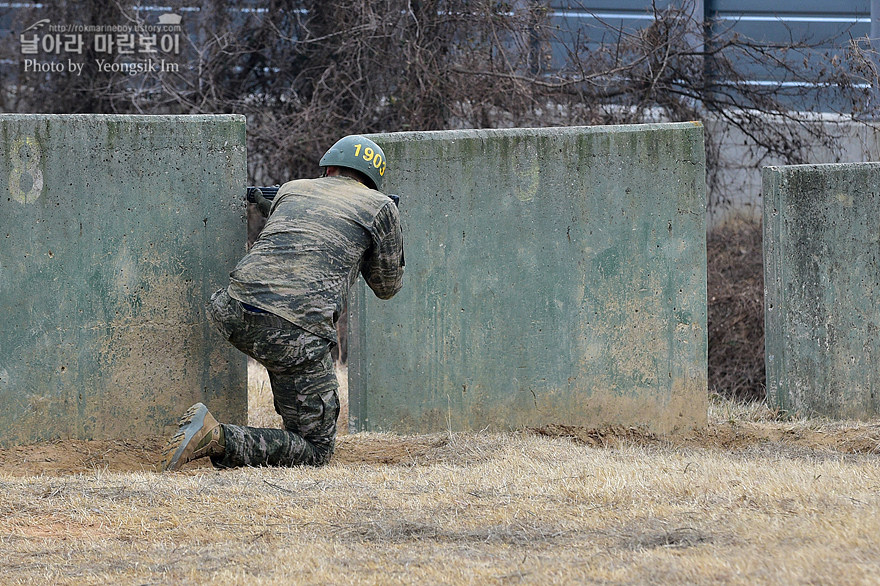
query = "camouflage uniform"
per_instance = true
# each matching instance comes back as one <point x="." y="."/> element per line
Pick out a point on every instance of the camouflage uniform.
<point x="284" y="298"/>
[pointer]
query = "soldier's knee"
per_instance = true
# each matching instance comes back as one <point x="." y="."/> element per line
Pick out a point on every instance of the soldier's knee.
<point x="323" y="451"/>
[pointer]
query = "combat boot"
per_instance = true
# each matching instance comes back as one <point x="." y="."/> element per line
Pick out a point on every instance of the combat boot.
<point x="199" y="435"/>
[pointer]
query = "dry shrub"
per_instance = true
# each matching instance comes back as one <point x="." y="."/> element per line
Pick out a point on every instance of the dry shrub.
<point x="305" y="72"/>
<point x="736" y="311"/>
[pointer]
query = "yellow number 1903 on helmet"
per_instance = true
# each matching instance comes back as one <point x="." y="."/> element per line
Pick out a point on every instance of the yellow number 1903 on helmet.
<point x="358" y="153"/>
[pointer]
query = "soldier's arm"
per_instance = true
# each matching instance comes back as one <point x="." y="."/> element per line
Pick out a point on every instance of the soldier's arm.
<point x="383" y="266"/>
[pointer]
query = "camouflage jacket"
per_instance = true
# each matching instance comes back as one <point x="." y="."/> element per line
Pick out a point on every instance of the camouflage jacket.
<point x="320" y="234"/>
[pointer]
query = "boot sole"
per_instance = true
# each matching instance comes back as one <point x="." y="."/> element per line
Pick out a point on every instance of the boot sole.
<point x="190" y="424"/>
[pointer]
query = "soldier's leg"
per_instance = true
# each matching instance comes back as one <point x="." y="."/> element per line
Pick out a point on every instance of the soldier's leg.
<point x="307" y="400"/>
<point x="303" y="383"/>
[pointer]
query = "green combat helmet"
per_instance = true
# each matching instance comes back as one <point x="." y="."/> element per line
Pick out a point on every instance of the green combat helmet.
<point x="358" y="153"/>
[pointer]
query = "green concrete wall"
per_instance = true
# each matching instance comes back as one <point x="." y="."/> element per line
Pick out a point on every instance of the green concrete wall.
<point x="554" y="276"/>
<point x="114" y="231"/>
<point x="822" y="283"/>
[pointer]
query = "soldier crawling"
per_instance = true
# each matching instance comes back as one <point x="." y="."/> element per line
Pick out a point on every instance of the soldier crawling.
<point x="283" y="300"/>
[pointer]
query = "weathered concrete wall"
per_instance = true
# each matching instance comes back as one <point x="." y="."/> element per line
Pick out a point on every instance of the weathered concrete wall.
<point x="822" y="283"/>
<point x="553" y="276"/>
<point x="115" y="230"/>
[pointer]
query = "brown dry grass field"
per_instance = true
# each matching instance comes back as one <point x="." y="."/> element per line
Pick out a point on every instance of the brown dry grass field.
<point x="753" y="499"/>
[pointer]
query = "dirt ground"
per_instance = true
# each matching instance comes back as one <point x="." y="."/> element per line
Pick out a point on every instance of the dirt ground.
<point x="735" y="427"/>
<point x="66" y="457"/>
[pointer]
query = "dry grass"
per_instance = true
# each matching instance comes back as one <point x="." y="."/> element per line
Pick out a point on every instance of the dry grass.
<point x="751" y="500"/>
<point x="467" y="508"/>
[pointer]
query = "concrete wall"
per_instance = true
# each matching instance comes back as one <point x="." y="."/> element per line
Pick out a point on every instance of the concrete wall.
<point x="115" y="230"/>
<point x="822" y="282"/>
<point x="553" y="275"/>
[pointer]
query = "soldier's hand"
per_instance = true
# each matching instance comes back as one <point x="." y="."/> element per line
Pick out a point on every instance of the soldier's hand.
<point x="263" y="204"/>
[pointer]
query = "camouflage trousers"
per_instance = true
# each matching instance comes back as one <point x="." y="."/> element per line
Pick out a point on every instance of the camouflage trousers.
<point x="303" y="382"/>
